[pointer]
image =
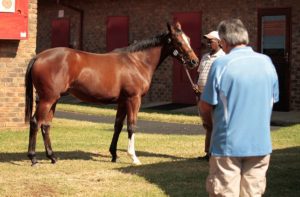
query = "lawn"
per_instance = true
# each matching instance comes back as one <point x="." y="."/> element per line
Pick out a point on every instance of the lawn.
<point x="168" y="169"/>
<point x="144" y="114"/>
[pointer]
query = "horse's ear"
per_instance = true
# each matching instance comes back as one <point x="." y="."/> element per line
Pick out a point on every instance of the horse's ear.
<point x="169" y="27"/>
<point x="177" y="25"/>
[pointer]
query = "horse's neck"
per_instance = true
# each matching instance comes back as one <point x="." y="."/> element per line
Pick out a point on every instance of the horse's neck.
<point x="164" y="54"/>
<point x="152" y="57"/>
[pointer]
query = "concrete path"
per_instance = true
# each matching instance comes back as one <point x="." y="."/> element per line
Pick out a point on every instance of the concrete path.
<point x="278" y="119"/>
<point x="143" y="126"/>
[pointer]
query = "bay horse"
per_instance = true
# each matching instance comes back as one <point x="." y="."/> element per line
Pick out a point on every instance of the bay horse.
<point x="122" y="76"/>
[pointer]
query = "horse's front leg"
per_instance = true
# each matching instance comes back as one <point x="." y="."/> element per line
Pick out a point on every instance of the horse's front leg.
<point x="131" y="149"/>
<point x="133" y="106"/>
<point x="121" y="114"/>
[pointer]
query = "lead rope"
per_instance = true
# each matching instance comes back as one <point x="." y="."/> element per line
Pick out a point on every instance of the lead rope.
<point x="191" y="81"/>
<point x="196" y="90"/>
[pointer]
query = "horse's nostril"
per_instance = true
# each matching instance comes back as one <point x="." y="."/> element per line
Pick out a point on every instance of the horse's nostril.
<point x="193" y="62"/>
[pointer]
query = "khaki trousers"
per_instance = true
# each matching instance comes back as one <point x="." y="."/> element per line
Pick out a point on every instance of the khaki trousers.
<point x="237" y="176"/>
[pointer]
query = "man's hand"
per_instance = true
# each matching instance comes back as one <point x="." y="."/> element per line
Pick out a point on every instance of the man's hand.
<point x="206" y="110"/>
<point x="196" y="88"/>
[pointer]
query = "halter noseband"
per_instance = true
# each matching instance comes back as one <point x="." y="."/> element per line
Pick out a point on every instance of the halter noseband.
<point x="176" y="53"/>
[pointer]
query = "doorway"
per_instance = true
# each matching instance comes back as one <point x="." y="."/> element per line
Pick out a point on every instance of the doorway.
<point x="182" y="90"/>
<point x="60" y="35"/>
<point x="117" y="32"/>
<point x="274" y="41"/>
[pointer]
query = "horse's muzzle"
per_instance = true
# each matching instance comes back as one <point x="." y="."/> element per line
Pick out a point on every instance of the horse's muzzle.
<point x="192" y="63"/>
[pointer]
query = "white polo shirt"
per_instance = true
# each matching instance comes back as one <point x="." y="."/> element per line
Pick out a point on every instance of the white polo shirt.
<point x="204" y="67"/>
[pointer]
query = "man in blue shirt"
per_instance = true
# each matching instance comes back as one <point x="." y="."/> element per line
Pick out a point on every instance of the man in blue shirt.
<point x="237" y="104"/>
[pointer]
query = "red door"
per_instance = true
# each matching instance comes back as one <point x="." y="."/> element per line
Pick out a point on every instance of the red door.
<point x="191" y="25"/>
<point x="117" y="32"/>
<point x="60" y="34"/>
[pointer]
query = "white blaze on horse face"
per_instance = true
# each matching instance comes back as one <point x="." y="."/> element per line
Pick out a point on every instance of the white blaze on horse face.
<point x="131" y="151"/>
<point x="186" y="40"/>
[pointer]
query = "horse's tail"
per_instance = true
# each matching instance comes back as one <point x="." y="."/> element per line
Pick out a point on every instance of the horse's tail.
<point x="29" y="91"/>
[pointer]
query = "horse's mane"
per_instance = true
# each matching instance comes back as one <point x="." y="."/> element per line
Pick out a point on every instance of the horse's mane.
<point x="144" y="44"/>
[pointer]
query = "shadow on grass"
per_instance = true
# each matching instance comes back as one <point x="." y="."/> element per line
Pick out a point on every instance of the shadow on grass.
<point x="62" y="155"/>
<point x="74" y="155"/>
<point x="186" y="177"/>
<point x="283" y="176"/>
<point x="149" y="154"/>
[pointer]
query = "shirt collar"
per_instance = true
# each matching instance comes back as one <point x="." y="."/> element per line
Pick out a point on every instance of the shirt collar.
<point x="246" y="48"/>
<point x="217" y="54"/>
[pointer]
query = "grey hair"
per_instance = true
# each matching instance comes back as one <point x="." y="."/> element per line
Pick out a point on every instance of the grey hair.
<point x="233" y="32"/>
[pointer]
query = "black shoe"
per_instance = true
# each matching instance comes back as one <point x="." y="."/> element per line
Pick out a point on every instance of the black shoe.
<point x="205" y="157"/>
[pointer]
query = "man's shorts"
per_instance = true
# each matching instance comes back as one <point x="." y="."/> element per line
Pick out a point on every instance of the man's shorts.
<point x="237" y="176"/>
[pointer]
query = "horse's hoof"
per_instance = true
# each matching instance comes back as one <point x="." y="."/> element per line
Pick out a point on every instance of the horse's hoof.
<point x="137" y="163"/>
<point x="34" y="161"/>
<point x="114" y="158"/>
<point x="34" y="164"/>
<point x="53" y="160"/>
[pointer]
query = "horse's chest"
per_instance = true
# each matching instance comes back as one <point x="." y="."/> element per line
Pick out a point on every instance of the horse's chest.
<point x="137" y="85"/>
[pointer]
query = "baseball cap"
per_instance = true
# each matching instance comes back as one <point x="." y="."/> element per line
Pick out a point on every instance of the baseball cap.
<point x="212" y="35"/>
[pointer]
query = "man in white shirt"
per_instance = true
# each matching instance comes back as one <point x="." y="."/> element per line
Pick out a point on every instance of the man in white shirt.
<point x="215" y="51"/>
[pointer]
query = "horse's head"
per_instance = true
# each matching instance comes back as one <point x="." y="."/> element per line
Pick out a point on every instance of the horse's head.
<point x="180" y="46"/>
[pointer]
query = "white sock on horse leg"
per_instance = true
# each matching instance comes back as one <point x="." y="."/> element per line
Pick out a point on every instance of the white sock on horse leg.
<point x="131" y="151"/>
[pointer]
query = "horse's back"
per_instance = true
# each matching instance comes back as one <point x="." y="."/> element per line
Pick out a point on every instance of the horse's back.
<point x="89" y="76"/>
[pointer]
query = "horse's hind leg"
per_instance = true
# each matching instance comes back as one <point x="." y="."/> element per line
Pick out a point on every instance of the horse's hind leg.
<point x="41" y="119"/>
<point x="46" y="137"/>
<point x="49" y="153"/>
<point x="121" y="114"/>
<point x="32" y="140"/>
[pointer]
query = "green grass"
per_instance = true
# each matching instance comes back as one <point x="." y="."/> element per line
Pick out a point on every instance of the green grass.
<point x="144" y="114"/>
<point x="168" y="169"/>
<point x="84" y="167"/>
<point x="284" y="171"/>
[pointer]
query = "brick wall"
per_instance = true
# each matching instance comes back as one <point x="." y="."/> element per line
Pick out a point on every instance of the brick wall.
<point x="14" y="57"/>
<point x="147" y="18"/>
<point x="295" y="57"/>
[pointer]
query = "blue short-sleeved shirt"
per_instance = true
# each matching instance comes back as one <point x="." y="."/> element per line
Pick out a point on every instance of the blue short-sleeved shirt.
<point x="242" y="86"/>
